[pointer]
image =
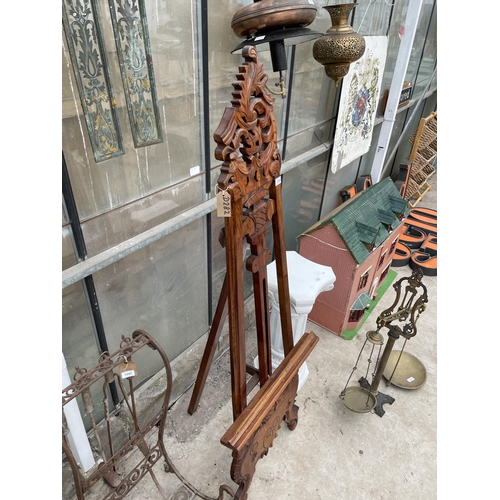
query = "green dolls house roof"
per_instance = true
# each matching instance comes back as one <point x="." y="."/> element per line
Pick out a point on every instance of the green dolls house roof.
<point x="363" y="220"/>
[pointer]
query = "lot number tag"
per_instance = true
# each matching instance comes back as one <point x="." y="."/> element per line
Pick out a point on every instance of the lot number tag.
<point x="223" y="204"/>
<point x="127" y="369"/>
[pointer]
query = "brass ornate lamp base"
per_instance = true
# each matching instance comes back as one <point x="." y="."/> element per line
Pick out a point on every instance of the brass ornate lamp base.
<point x="407" y="373"/>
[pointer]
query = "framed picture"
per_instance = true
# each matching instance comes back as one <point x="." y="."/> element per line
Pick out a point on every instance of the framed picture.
<point x="358" y="104"/>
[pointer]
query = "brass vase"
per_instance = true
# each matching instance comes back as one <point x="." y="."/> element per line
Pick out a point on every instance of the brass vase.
<point x="340" y="45"/>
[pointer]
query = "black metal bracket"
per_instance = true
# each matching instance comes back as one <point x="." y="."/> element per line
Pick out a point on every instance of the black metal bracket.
<point x="382" y="399"/>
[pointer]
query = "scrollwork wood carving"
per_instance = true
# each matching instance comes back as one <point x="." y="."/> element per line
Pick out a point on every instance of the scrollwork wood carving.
<point x="248" y="128"/>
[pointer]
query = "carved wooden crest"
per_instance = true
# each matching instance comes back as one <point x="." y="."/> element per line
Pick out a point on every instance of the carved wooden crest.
<point x="248" y="128"/>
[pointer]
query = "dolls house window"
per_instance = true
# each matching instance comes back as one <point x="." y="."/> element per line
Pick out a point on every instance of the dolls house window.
<point x="381" y="260"/>
<point x="356" y="315"/>
<point x="363" y="280"/>
<point x="384" y="273"/>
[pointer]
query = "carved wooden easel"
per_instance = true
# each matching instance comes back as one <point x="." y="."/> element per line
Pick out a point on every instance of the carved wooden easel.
<point x="253" y="183"/>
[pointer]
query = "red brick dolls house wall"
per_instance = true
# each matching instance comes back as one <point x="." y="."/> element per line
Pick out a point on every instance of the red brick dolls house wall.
<point x="325" y="246"/>
<point x="369" y="265"/>
<point x="386" y="247"/>
<point x="374" y="276"/>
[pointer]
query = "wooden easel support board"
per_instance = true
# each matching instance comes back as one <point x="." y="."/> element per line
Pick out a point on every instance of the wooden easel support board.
<point x="252" y="434"/>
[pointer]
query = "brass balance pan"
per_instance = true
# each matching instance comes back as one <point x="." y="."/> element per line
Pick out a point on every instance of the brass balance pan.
<point x="410" y="373"/>
<point x="266" y="15"/>
<point x="358" y="399"/>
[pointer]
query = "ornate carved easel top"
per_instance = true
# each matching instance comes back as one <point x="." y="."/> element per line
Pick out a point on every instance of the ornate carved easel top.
<point x="249" y="128"/>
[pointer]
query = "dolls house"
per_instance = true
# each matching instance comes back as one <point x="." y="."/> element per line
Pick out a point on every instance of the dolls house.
<point x="357" y="240"/>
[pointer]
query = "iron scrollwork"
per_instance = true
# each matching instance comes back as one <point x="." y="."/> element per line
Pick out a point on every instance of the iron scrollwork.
<point x="130" y="28"/>
<point x="82" y="26"/>
<point x="111" y="450"/>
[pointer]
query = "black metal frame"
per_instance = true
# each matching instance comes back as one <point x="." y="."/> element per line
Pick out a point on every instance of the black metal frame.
<point x="208" y="146"/>
<point x="81" y="249"/>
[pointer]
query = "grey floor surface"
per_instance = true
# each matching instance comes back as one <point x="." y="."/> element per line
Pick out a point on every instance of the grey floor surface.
<point x="333" y="453"/>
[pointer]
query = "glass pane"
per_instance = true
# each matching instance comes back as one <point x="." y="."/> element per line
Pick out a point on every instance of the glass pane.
<point x="116" y="226"/>
<point x="397" y="20"/>
<point x="161" y="289"/>
<point x="302" y="191"/>
<point x="68" y="253"/>
<point x="65" y="216"/>
<point x="112" y="183"/>
<point x="434" y="80"/>
<point x="419" y="42"/>
<point x="430" y="105"/>
<point x="79" y="343"/>
<point x="335" y="182"/>
<point x="322" y="21"/>
<point x="313" y="93"/>
<point x="405" y="146"/>
<point x="372" y="18"/>
<point x="429" y="55"/>
<point x="308" y="139"/>
<point x="365" y="166"/>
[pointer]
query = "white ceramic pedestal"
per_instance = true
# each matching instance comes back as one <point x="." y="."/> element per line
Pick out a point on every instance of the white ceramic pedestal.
<point x="306" y="280"/>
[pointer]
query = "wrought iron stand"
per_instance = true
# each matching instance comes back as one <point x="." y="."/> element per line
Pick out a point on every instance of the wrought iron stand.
<point x="105" y="372"/>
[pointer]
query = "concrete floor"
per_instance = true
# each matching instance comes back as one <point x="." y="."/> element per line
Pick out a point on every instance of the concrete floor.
<point x="333" y="452"/>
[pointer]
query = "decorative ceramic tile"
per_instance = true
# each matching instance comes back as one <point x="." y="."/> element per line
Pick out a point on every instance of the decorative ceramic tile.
<point x="134" y="54"/>
<point x="82" y="26"/>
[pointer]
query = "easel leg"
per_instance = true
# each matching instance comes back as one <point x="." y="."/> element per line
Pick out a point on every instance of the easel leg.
<point x="281" y="267"/>
<point x="256" y="264"/>
<point x="208" y="354"/>
<point x="236" y="305"/>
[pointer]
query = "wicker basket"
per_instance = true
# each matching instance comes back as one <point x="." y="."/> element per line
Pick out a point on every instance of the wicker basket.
<point x="411" y="189"/>
<point x="428" y="135"/>
<point x="420" y="178"/>
<point x="428" y="153"/>
<point x="423" y="152"/>
<point x="432" y="125"/>
<point x="428" y="170"/>
<point x="418" y="164"/>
